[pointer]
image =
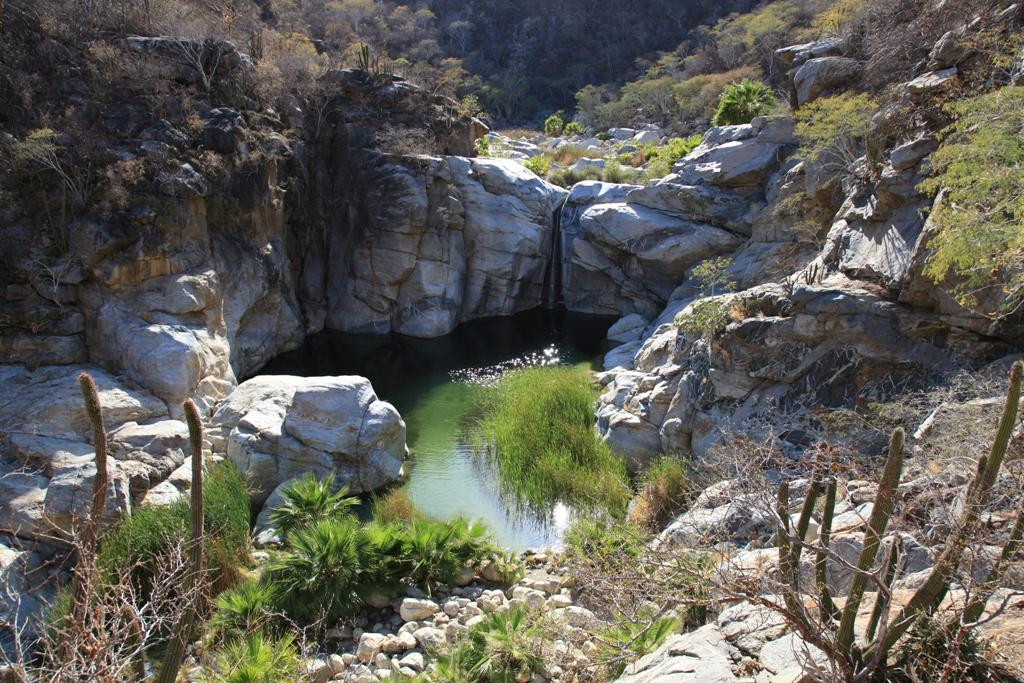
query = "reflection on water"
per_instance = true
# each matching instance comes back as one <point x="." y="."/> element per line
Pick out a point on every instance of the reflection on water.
<point x="436" y="384"/>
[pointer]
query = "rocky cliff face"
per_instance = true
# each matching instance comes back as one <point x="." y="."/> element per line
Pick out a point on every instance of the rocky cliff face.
<point x="815" y="324"/>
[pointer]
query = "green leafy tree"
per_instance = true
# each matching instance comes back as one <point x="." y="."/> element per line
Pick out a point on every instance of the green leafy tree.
<point x="979" y="222"/>
<point x="742" y="102"/>
<point x="554" y="124"/>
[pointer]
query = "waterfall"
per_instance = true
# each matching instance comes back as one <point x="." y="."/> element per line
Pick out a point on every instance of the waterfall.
<point x="553" y="274"/>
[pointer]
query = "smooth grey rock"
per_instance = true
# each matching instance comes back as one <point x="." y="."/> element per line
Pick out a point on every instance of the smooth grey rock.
<point x="822" y="75"/>
<point x="703" y="655"/>
<point x="907" y="155"/>
<point x="627" y="328"/>
<point x="931" y="81"/>
<point x="275" y="427"/>
<point x="453" y="239"/>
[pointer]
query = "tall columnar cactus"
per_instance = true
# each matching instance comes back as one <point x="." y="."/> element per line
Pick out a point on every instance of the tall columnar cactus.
<point x="192" y="588"/>
<point x="930" y="594"/>
<point x="828" y="607"/>
<point x="90" y="526"/>
<point x="885" y="500"/>
<point x="882" y="633"/>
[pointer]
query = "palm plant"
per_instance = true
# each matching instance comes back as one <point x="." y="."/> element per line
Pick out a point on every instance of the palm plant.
<point x="256" y="659"/>
<point x="742" y="102"/>
<point x="438" y="551"/>
<point x="325" y="572"/>
<point x="505" y="647"/>
<point x="309" y="500"/>
<point x="246" y="608"/>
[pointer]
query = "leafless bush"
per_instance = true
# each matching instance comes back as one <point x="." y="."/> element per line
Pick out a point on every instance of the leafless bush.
<point x="405" y="141"/>
<point x="118" y="627"/>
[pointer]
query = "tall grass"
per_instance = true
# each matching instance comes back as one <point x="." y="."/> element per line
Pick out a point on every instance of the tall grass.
<point x="135" y="545"/>
<point x="394" y="506"/>
<point x="538" y="424"/>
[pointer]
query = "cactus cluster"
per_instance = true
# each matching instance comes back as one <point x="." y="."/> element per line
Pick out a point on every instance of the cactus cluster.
<point x="856" y="658"/>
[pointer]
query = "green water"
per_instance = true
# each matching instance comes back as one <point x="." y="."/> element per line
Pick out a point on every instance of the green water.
<point x="437" y="384"/>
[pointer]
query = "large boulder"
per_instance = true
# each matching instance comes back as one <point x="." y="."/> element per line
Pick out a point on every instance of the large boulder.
<point x="276" y="427"/>
<point x="822" y="75"/>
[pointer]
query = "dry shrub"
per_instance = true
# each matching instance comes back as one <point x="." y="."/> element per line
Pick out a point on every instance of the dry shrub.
<point x="406" y="141"/>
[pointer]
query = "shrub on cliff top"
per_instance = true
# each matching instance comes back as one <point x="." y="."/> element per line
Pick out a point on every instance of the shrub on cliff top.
<point x="539" y="428"/>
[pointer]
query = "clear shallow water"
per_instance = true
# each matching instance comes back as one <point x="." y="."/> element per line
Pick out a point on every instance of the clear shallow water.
<point x="436" y="384"/>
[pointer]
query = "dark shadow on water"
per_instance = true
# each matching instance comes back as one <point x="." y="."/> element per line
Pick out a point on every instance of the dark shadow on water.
<point x="445" y="478"/>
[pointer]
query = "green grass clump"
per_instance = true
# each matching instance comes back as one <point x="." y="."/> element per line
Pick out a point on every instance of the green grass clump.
<point x="134" y="546"/>
<point x="539" y="164"/>
<point x="662" y="493"/>
<point x="394" y="506"/>
<point x="566" y="177"/>
<point x="538" y="424"/>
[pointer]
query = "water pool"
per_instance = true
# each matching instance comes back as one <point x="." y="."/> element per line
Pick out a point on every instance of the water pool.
<point x="436" y="384"/>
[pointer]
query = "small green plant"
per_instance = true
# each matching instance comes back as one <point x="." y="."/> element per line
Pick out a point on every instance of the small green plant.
<point x="742" y="102"/>
<point x="662" y="493"/>
<point x="539" y="164"/>
<point x="590" y="539"/>
<point x="503" y="648"/>
<point x="554" y="124"/>
<point x="567" y="177"/>
<point x="134" y="546"/>
<point x="603" y="136"/>
<point x="309" y="500"/>
<point x="573" y="128"/>
<point x="255" y="658"/>
<point x="175" y="651"/>
<point x="469" y="107"/>
<point x="538" y="424"/>
<point x="510" y="566"/>
<point x="713" y="275"/>
<point x="705" y="317"/>
<point x="325" y="573"/>
<point x="631" y="639"/>
<point x="834" y="131"/>
<point x="614" y="172"/>
<point x="246" y="608"/>
<point x="482" y="146"/>
<point x="437" y="552"/>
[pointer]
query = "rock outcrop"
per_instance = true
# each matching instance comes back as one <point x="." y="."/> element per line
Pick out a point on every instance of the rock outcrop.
<point x="451" y="239"/>
<point x="810" y="326"/>
<point x="277" y="427"/>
